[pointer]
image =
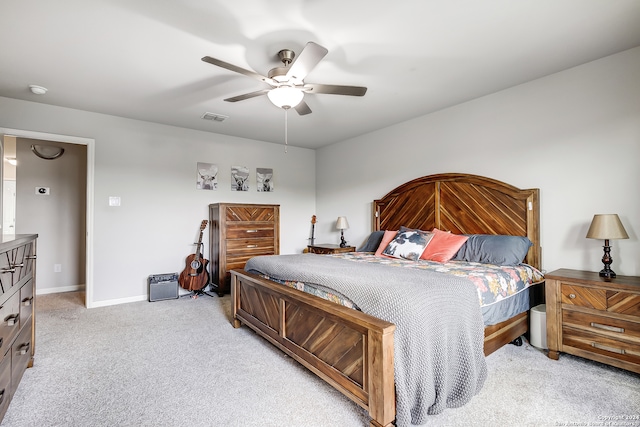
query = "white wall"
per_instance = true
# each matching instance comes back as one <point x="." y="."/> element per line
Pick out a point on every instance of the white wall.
<point x="574" y="134"/>
<point x="152" y="168"/>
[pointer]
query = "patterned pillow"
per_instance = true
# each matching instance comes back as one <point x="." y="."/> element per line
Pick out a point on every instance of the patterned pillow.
<point x="408" y="244"/>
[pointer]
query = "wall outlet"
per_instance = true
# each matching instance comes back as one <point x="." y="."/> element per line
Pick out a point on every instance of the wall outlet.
<point x="57" y="268"/>
<point x="42" y="191"/>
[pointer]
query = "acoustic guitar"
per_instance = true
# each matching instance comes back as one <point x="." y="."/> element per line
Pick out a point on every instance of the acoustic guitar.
<point x="195" y="276"/>
<point x="312" y="239"/>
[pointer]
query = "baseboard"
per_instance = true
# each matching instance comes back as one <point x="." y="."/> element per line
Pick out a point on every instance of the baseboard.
<point x="106" y="303"/>
<point x="59" y="289"/>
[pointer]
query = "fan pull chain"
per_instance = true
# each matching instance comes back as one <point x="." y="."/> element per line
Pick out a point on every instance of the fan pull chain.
<point x="286" y="132"/>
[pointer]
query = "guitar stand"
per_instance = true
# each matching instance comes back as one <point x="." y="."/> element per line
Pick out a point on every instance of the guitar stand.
<point x="196" y="294"/>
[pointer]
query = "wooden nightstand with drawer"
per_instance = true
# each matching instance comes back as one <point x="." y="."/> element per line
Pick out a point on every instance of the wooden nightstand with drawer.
<point x="327" y="248"/>
<point x="593" y="317"/>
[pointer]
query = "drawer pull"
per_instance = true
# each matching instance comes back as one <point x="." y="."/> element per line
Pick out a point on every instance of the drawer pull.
<point x="11" y="320"/>
<point x="572" y="296"/>
<point x="252" y="246"/>
<point x="27" y="301"/>
<point x="8" y="270"/>
<point x="607" y="348"/>
<point x="17" y="265"/>
<point x="31" y="257"/>
<point x="252" y="231"/>
<point x="24" y="348"/>
<point x="607" y="327"/>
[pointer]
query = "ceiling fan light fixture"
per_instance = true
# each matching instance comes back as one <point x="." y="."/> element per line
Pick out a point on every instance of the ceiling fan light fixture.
<point x="285" y="96"/>
<point x="287" y="83"/>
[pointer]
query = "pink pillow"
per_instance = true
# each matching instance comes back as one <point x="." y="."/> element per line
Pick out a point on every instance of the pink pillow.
<point x="443" y="246"/>
<point x="386" y="239"/>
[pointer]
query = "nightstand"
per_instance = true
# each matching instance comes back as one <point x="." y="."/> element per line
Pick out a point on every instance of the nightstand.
<point x="593" y="317"/>
<point x="327" y="248"/>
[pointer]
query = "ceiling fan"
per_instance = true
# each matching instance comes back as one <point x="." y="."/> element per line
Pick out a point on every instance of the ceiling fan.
<point x="287" y="83"/>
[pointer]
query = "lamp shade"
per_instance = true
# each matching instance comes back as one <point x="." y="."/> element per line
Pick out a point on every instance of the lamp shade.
<point x="285" y="96"/>
<point x="341" y="223"/>
<point x="606" y="226"/>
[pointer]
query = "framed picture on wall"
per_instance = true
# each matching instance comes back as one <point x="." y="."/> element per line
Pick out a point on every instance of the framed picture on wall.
<point x="264" y="179"/>
<point x="239" y="178"/>
<point x="207" y="178"/>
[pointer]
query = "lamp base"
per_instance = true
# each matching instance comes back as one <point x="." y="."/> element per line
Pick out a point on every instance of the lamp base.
<point x="343" y="243"/>
<point x="609" y="274"/>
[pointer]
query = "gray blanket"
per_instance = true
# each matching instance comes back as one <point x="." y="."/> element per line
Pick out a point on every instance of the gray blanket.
<point x="439" y="359"/>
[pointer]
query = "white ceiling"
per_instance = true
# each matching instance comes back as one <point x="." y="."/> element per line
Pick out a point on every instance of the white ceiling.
<point x="142" y="58"/>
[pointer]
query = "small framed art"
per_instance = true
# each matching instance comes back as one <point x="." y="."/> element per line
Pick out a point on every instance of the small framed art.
<point x="264" y="179"/>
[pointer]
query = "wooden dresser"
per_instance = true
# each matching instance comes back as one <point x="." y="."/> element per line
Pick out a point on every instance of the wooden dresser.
<point x="17" y="298"/>
<point x="594" y="318"/>
<point x="238" y="232"/>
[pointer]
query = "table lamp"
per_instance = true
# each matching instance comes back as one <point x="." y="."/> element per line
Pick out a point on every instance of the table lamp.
<point x="606" y="227"/>
<point x="342" y="225"/>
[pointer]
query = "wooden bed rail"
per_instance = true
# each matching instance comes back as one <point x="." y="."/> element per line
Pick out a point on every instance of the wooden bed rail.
<point x="350" y="350"/>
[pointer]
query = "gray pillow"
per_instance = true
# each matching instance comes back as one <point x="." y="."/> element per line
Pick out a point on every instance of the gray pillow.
<point x="372" y="243"/>
<point x="494" y="249"/>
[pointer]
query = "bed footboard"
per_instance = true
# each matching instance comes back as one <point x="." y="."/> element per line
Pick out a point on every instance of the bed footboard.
<point x="350" y="350"/>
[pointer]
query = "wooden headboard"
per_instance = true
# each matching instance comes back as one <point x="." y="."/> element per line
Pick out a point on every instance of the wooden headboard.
<point x="463" y="204"/>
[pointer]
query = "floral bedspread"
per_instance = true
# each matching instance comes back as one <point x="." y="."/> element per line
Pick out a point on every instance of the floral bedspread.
<point x="493" y="282"/>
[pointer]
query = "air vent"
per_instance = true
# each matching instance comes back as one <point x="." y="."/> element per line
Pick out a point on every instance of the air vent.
<point x="214" y="117"/>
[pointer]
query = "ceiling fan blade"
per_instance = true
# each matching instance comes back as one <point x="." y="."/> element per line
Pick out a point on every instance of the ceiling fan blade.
<point x="334" y="89"/>
<point x="302" y="108"/>
<point x="248" y="95"/>
<point x="306" y="61"/>
<point x="240" y="70"/>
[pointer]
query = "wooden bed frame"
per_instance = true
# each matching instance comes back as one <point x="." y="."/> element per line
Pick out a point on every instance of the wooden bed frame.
<point x="353" y="351"/>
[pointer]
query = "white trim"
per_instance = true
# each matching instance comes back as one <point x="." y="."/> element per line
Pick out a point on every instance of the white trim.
<point x="120" y="301"/>
<point x="60" y="290"/>
<point x="90" y="143"/>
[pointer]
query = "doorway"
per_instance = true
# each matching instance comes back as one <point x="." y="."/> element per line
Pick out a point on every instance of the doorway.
<point x="87" y="233"/>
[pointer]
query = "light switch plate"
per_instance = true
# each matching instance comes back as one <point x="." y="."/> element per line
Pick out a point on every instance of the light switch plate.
<point x="114" y="201"/>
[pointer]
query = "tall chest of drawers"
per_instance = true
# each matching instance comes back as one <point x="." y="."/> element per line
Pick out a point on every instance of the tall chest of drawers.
<point x="594" y="318"/>
<point x="238" y="232"/>
<point x="17" y="301"/>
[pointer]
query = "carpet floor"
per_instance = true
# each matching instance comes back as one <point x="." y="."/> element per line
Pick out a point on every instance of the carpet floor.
<point x="181" y="363"/>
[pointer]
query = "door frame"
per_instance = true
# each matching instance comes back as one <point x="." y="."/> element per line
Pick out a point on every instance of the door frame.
<point x="90" y="143"/>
